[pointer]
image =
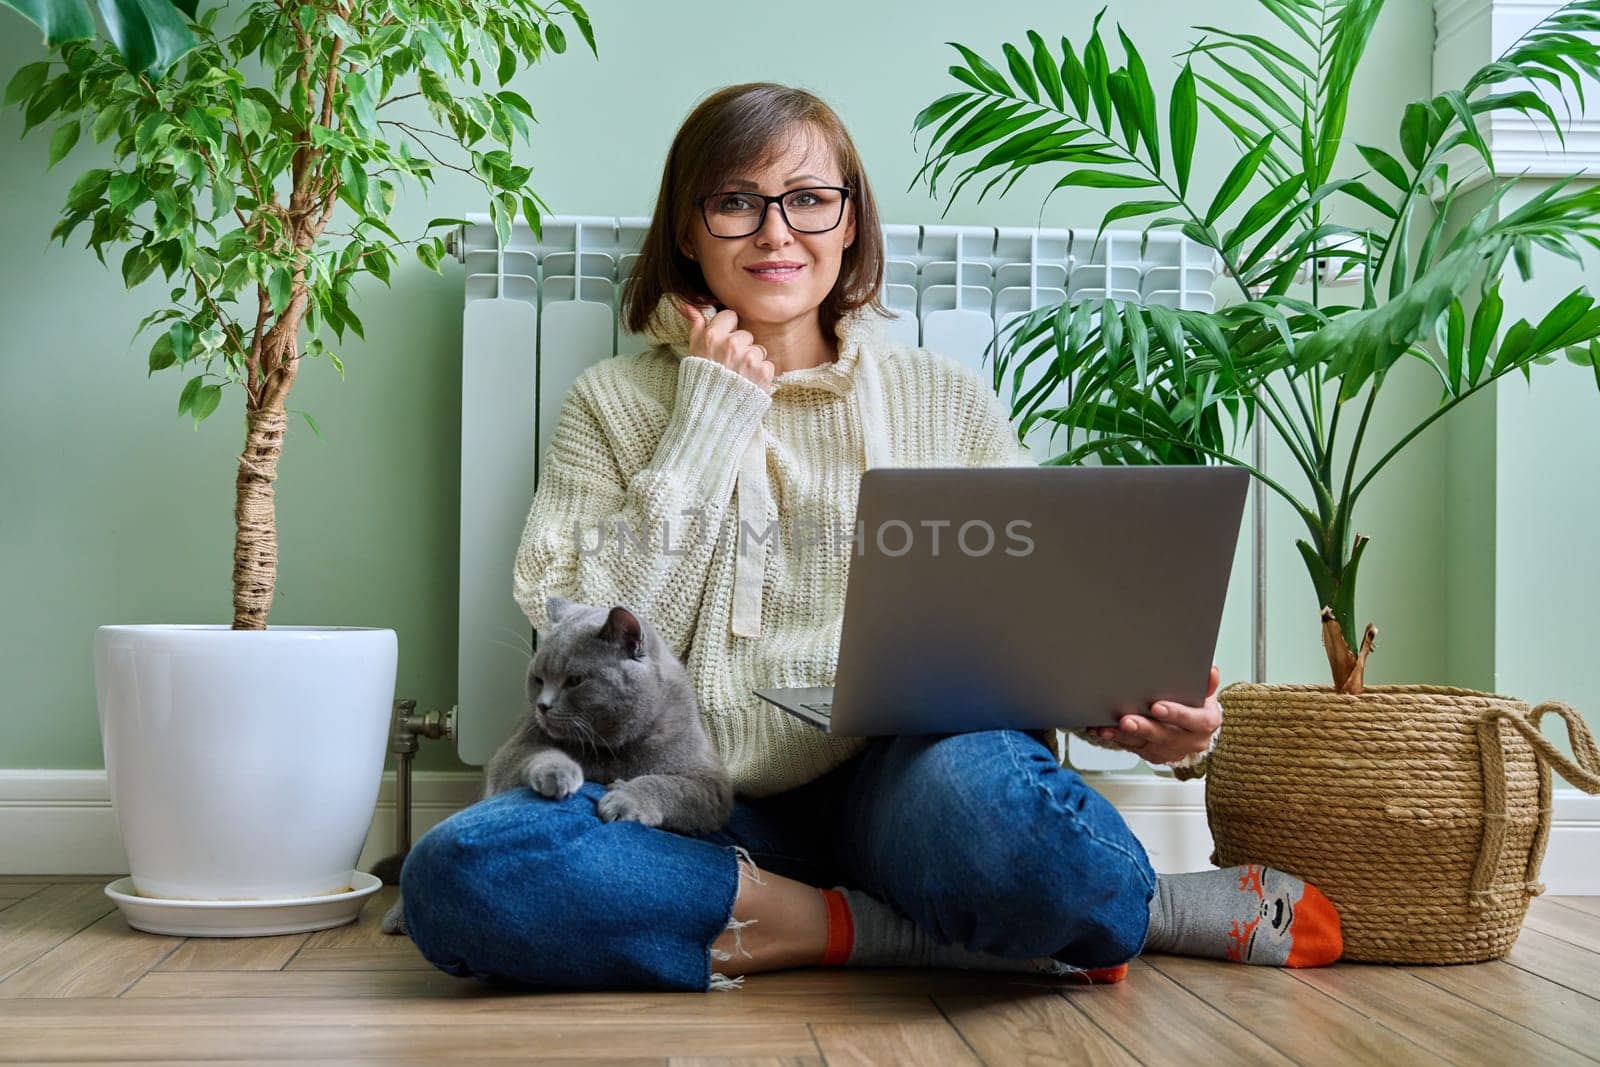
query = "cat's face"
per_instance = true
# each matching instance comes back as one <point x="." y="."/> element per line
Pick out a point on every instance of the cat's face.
<point x="584" y="681"/>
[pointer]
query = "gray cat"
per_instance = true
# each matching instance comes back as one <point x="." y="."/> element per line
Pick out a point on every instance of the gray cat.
<point x="609" y="702"/>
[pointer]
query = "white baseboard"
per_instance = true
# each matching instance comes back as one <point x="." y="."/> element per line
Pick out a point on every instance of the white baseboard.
<point x="61" y="822"/>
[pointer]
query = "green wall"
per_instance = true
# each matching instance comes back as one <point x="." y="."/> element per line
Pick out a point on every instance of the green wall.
<point x="1547" y="507"/>
<point x="114" y="511"/>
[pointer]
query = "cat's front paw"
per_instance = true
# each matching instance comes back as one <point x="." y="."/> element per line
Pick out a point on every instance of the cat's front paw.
<point x="623" y="802"/>
<point x="394" y="921"/>
<point x="554" y="774"/>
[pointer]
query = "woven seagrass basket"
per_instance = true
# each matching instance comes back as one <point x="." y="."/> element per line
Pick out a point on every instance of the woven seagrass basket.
<point x="1421" y="811"/>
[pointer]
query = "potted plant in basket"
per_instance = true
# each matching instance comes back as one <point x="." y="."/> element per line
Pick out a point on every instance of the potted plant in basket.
<point x="245" y="760"/>
<point x="1420" y="810"/>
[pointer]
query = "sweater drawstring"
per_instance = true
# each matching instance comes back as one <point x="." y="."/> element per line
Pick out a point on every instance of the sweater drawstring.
<point x="751" y="540"/>
<point x="750" y="558"/>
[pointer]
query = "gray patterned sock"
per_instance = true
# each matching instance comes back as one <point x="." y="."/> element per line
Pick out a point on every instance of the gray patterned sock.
<point x="1249" y="914"/>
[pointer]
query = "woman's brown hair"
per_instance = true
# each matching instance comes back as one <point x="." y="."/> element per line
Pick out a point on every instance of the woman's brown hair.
<point x="735" y="130"/>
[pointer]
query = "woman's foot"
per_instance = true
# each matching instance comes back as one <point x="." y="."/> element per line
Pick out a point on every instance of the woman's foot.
<point x="1249" y="914"/>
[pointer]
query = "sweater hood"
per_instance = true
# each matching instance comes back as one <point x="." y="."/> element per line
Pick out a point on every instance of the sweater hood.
<point x="854" y="374"/>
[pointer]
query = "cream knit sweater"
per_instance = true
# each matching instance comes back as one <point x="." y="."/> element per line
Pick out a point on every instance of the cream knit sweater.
<point x="681" y="451"/>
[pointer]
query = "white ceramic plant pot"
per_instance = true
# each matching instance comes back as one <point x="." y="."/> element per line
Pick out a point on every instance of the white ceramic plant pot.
<point x="243" y="764"/>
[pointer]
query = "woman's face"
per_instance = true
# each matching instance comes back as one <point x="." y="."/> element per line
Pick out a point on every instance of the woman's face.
<point x="727" y="262"/>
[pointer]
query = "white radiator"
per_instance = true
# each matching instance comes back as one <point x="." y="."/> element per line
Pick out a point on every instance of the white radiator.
<point x="539" y="311"/>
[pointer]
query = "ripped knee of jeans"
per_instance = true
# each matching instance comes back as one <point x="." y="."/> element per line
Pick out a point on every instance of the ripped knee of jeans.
<point x="747" y="869"/>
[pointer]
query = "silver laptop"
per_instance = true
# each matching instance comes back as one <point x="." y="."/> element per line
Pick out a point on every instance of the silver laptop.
<point x="984" y="598"/>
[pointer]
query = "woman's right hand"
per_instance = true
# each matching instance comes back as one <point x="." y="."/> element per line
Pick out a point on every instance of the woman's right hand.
<point x="719" y="339"/>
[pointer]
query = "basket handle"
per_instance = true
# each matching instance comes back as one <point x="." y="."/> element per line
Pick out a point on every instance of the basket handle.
<point x="1584" y="773"/>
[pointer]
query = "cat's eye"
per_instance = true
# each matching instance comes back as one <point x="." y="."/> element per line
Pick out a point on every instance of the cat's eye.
<point x="538" y="680"/>
<point x="574" y="679"/>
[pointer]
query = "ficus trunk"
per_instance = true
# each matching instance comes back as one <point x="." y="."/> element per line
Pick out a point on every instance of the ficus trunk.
<point x="255" y="541"/>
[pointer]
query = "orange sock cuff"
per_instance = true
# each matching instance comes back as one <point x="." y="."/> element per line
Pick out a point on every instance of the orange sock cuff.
<point x="841" y="929"/>
<point x="1102" y="975"/>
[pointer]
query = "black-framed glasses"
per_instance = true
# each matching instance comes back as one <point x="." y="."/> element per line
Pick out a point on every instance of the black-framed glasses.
<point x="817" y="209"/>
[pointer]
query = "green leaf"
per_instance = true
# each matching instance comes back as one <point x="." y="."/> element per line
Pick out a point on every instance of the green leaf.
<point x="1098" y="69"/>
<point x="1138" y="340"/>
<point x="1414" y="133"/>
<point x="62" y="140"/>
<point x="1455" y="344"/>
<point x="149" y="34"/>
<point x="253" y="117"/>
<point x="1169" y="328"/>
<point x="191" y="390"/>
<point x="1129" y="209"/>
<point x="223" y="196"/>
<point x="358" y="95"/>
<point x="1386" y="165"/>
<point x="1105" y="179"/>
<point x="1144" y="98"/>
<point x="1485" y="324"/>
<point x="1126" y="107"/>
<point x="1074" y="79"/>
<point x="28" y="79"/>
<point x="205" y="402"/>
<point x="342" y="29"/>
<point x="1044" y="66"/>
<point x="1469" y="126"/>
<point x="432" y="52"/>
<point x="1021" y="73"/>
<point x="981" y="67"/>
<point x="557" y="38"/>
<point x="1238" y="179"/>
<point x="1264" y="210"/>
<point x="162" y="355"/>
<point x="1183" y="119"/>
<point x="1321" y="578"/>
<point x="279" y="287"/>
<point x="530" y="215"/>
<point x="106" y="123"/>
<point x="137" y="263"/>
<point x="1518" y="339"/>
<point x="353" y="177"/>
<point x="309" y="422"/>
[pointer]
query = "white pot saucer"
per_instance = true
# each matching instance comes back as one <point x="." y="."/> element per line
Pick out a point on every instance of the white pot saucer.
<point x="242" y="918"/>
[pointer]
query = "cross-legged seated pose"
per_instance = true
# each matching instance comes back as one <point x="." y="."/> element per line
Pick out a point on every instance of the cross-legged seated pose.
<point x="709" y="483"/>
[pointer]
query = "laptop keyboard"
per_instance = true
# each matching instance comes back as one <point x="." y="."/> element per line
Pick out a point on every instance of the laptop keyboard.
<point x="821" y="707"/>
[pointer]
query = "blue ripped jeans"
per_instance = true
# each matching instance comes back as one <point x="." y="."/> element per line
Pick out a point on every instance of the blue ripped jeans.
<point x="982" y="839"/>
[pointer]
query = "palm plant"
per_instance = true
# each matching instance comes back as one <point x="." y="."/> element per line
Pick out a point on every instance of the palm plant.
<point x="1149" y="384"/>
<point x="230" y="189"/>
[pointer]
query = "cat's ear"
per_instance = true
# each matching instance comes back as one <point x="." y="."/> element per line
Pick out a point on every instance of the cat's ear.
<point x="555" y="607"/>
<point x="622" y="629"/>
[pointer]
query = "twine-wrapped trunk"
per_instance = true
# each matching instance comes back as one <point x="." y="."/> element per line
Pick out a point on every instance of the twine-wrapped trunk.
<point x="255" y="544"/>
<point x="1421" y="812"/>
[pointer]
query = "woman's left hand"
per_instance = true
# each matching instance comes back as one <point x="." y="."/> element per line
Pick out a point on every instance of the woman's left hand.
<point x="1171" y="731"/>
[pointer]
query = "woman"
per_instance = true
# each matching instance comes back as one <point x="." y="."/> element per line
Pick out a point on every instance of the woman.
<point x="971" y="850"/>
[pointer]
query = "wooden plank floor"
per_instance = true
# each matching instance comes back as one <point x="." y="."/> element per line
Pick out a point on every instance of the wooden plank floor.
<point x="77" y="985"/>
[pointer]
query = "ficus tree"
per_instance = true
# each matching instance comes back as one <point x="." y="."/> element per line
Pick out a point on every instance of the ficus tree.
<point x="230" y="185"/>
<point x="1151" y="384"/>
